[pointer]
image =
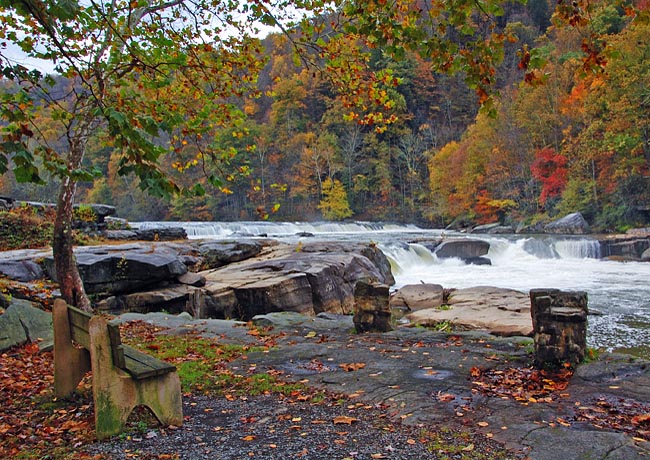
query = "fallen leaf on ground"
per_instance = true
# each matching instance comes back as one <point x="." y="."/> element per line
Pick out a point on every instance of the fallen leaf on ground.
<point x="345" y="420"/>
<point x="349" y="367"/>
<point x="446" y="397"/>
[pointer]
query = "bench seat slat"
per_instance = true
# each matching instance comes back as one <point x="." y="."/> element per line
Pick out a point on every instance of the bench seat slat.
<point x="79" y="322"/>
<point x="116" y="345"/>
<point x="139" y="365"/>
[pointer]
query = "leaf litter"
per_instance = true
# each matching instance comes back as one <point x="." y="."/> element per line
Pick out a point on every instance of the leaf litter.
<point x="300" y="424"/>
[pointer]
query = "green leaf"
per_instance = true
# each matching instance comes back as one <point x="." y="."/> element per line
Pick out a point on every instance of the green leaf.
<point x="198" y="190"/>
<point x="26" y="172"/>
<point x="3" y="162"/>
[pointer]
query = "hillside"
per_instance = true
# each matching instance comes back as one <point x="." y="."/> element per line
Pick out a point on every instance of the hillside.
<point x="571" y="133"/>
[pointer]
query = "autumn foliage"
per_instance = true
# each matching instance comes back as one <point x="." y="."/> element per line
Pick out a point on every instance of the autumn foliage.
<point x="549" y="168"/>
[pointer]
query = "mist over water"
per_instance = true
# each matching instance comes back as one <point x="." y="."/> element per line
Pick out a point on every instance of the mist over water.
<point x="619" y="290"/>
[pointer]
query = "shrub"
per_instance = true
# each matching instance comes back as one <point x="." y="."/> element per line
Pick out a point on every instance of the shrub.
<point x="24" y="228"/>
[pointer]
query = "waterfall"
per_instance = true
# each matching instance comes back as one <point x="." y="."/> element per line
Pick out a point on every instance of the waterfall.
<point x="404" y="257"/>
<point x="578" y="248"/>
<point x="225" y="229"/>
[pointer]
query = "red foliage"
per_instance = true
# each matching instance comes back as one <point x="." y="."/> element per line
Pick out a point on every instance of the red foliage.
<point x="550" y="169"/>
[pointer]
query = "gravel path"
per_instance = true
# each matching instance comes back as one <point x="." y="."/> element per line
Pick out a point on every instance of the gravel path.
<point x="273" y="427"/>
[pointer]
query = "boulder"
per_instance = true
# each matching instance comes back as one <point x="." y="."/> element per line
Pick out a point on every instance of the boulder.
<point x="478" y="261"/>
<point x="172" y="299"/>
<point x="630" y="248"/>
<point x="499" y="311"/>
<point x="149" y="234"/>
<point x="645" y="257"/>
<point x="21" y="270"/>
<point x="219" y="253"/>
<point x="370" y="251"/>
<point x="161" y="234"/>
<point x="485" y="228"/>
<point x="192" y="279"/>
<point x="101" y="211"/>
<point x="120" y="235"/>
<point x="643" y="232"/>
<point x="309" y="279"/>
<point x="22" y="322"/>
<point x="571" y="224"/>
<point x="124" y="268"/>
<point x="493" y="229"/>
<point x="464" y="249"/>
<point x="117" y="223"/>
<point x="418" y="296"/>
<point x="6" y="203"/>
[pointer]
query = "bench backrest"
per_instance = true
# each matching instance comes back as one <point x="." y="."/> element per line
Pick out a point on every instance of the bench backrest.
<point x="79" y="321"/>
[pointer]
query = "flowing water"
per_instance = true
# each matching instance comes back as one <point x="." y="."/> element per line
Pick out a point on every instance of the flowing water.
<point x="618" y="290"/>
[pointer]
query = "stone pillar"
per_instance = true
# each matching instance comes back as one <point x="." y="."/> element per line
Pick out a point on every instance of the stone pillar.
<point x="371" y="308"/>
<point x="559" y="326"/>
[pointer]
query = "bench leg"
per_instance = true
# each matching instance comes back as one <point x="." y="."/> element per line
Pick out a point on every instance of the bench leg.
<point x="163" y="396"/>
<point x="116" y="394"/>
<point x="70" y="363"/>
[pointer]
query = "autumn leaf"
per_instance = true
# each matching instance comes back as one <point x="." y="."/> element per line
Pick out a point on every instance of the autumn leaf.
<point x="345" y="420"/>
<point x="446" y="397"/>
<point x="350" y="367"/>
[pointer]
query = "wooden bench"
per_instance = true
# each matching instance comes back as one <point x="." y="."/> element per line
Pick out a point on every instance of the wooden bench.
<point x="122" y="377"/>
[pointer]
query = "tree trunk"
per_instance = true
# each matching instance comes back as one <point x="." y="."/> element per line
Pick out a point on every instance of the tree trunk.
<point x="65" y="264"/>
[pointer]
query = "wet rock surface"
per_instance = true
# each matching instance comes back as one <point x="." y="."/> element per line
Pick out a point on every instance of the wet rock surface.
<point x="319" y="277"/>
<point x="504" y="312"/>
<point x="425" y="380"/>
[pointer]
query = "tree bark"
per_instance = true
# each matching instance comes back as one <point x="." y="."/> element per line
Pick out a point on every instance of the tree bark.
<point x="67" y="272"/>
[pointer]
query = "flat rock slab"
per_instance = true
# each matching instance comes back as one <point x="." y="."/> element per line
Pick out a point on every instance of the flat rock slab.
<point x="503" y="312"/>
<point x="426" y="378"/>
<point x="418" y="296"/>
<point x="287" y="320"/>
<point x="227" y="331"/>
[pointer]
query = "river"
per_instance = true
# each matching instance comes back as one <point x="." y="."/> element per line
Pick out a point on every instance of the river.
<point x="620" y="291"/>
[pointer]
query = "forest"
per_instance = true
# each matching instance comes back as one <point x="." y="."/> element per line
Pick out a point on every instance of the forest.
<point x="569" y="130"/>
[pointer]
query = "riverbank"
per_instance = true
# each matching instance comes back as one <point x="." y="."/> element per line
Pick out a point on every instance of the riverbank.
<point x="427" y="382"/>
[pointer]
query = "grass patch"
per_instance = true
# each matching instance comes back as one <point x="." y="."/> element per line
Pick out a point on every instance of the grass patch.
<point x="202" y="364"/>
<point x="447" y="444"/>
<point x="591" y="355"/>
<point x="443" y="326"/>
